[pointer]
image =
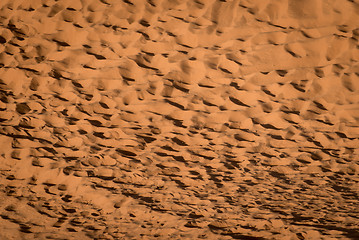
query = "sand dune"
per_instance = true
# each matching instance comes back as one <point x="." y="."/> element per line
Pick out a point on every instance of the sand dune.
<point x="166" y="119"/>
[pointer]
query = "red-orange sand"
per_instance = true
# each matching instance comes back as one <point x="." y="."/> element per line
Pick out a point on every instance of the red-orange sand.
<point x="171" y="119"/>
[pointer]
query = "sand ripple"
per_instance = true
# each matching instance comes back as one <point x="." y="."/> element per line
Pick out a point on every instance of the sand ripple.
<point x="165" y="119"/>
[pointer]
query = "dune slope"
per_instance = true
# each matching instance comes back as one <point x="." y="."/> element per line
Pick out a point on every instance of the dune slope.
<point x="168" y="119"/>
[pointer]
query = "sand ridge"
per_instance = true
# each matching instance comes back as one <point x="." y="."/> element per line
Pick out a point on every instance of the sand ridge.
<point x="179" y="119"/>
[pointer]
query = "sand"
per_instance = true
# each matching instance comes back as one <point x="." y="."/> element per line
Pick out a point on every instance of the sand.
<point x="168" y="119"/>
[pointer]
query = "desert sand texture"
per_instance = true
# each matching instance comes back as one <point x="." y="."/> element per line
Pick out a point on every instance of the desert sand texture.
<point x="171" y="119"/>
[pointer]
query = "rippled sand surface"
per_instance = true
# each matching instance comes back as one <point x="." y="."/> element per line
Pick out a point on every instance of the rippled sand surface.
<point x="170" y="119"/>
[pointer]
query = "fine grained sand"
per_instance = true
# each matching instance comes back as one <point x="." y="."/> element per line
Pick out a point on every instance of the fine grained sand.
<point x="169" y="119"/>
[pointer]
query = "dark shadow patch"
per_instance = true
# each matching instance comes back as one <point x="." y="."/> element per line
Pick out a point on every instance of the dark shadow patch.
<point x="175" y="104"/>
<point x="281" y="73"/>
<point x="126" y="153"/>
<point x="269" y="126"/>
<point x="179" y="158"/>
<point x="99" y="135"/>
<point x="225" y="70"/>
<point x="61" y="43"/>
<point x="22" y="108"/>
<point x="2" y="40"/>
<point x="235" y="85"/>
<point x="179" y="87"/>
<point x="243" y="236"/>
<point x="144" y="23"/>
<point x="236" y="101"/>
<point x="168" y="148"/>
<point x="76" y="84"/>
<point x="97" y="56"/>
<point x="128" y="2"/>
<point x="266" y="91"/>
<point x="95" y="123"/>
<point x="179" y="142"/>
<point x="148" y="139"/>
<point x="320" y="106"/>
<point x="297" y="87"/>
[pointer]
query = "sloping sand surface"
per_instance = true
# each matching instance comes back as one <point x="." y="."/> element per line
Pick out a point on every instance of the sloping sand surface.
<point x="170" y="119"/>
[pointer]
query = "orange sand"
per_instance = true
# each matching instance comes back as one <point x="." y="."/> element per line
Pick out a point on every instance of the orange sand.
<point x="169" y="119"/>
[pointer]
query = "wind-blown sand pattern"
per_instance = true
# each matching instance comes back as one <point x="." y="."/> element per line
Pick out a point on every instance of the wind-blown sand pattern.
<point x="170" y="119"/>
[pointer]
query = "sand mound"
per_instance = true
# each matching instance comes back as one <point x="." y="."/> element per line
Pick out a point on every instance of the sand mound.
<point x="218" y="119"/>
